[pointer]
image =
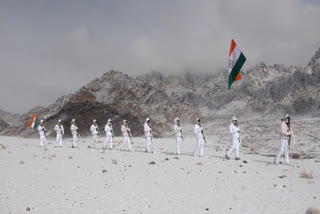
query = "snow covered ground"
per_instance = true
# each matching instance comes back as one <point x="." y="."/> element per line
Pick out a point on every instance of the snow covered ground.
<point x="65" y="180"/>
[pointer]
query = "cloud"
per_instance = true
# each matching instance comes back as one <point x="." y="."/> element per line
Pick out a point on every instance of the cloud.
<point x="54" y="47"/>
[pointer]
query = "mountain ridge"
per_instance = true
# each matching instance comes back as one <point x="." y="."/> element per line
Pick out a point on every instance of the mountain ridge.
<point x="161" y="97"/>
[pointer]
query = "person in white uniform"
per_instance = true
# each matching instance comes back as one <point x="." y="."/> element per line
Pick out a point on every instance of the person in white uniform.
<point x="109" y="134"/>
<point x="126" y="136"/>
<point x="42" y="131"/>
<point x="234" y="131"/>
<point x="60" y="131"/>
<point x="285" y="137"/>
<point x="74" y="132"/>
<point x="148" y="134"/>
<point x="198" y="131"/>
<point x="178" y="135"/>
<point x="95" y="134"/>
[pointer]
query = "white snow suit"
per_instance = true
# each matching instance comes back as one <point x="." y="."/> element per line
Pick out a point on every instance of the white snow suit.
<point x="126" y="137"/>
<point x="198" y="131"/>
<point x="178" y="136"/>
<point x="284" y="147"/>
<point x="235" y="139"/>
<point x="109" y="134"/>
<point x="41" y="130"/>
<point x="95" y="135"/>
<point x="147" y="136"/>
<point x="60" y="132"/>
<point x="74" y="132"/>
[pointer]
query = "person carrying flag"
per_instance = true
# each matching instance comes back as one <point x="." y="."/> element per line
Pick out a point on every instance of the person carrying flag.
<point x="42" y="131"/>
<point x="285" y="138"/>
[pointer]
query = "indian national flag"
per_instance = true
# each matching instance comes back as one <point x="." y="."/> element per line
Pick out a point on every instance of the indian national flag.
<point x="236" y="61"/>
<point x="33" y="122"/>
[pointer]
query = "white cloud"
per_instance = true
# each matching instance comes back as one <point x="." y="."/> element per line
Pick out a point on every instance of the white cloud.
<point x="66" y="45"/>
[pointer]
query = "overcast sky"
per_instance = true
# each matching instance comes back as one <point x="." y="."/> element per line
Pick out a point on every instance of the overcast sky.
<point x="51" y="48"/>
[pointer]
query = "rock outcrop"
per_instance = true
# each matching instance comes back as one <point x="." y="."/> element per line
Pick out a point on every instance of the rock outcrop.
<point x="3" y="125"/>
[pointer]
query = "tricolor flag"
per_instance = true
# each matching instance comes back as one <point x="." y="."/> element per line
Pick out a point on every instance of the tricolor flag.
<point x="236" y="61"/>
<point x="33" y="122"/>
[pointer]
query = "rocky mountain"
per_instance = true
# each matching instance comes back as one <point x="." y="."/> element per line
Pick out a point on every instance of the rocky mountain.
<point x="294" y="89"/>
<point x="9" y="118"/>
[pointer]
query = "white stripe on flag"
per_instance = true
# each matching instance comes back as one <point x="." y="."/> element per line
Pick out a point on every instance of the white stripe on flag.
<point x="234" y="56"/>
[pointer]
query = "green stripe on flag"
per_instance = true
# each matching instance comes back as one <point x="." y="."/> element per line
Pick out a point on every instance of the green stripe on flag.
<point x="35" y="123"/>
<point x="236" y="69"/>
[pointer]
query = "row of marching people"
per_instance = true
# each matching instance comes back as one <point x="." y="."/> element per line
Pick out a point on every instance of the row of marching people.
<point x="126" y="133"/>
<point x="127" y="137"/>
<point x="286" y="136"/>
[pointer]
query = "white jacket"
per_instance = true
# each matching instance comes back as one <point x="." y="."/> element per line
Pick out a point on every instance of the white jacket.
<point x="284" y="130"/>
<point x="108" y="129"/>
<point x="74" y="129"/>
<point x="125" y="131"/>
<point x="234" y="131"/>
<point x="198" y="131"/>
<point x="41" y="130"/>
<point x="94" y="129"/>
<point x="59" y="130"/>
<point x="147" y="130"/>
<point x="177" y="130"/>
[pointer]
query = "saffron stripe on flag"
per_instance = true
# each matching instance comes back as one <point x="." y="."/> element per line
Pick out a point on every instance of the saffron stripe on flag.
<point x="31" y="121"/>
<point x="232" y="46"/>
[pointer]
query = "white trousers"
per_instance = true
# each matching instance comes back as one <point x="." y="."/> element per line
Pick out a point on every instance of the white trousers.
<point x="58" y="140"/>
<point x="126" y="140"/>
<point x="42" y="140"/>
<point x="178" y="142"/>
<point x="235" y="146"/>
<point x="75" y="138"/>
<point x="284" y="149"/>
<point x="110" y="140"/>
<point x="95" y="141"/>
<point x="199" y="146"/>
<point x="148" y="143"/>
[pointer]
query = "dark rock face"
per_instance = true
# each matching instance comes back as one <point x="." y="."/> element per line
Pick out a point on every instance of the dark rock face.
<point x="3" y="125"/>
<point x="84" y="113"/>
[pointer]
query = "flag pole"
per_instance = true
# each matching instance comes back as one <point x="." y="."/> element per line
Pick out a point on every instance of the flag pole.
<point x="293" y="138"/>
<point x="273" y="102"/>
<point x="268" y="95"/>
